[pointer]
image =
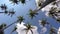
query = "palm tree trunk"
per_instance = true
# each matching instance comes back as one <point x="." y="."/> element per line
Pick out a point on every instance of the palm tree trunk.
<point x="44" y="4"/>
<point x="10" y="25"/>
<point x="31" y="31"/>
<point x="2" y="12"/>
<point x="26" y="31"/>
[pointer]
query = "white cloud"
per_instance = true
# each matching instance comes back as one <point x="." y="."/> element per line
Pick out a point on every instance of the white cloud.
<point x="21" y="26"/>
<point x="40" y="23"/>
<point x="58" y="31"/>
<point x="47" y="8"/>
<point x="43" y="30"/>
<point x="47" y="14"/>
<point x="38" y="2"/>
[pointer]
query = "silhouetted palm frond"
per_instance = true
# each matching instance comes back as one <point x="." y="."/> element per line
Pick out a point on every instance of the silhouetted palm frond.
<point x="22" y="1"/>
<point x="32" y="13"/>
<point x="46" y="3"/>
<point x="3" y="7"/>
<point x="44" y="22"/>
<point x="20" y="19"/>
<point x="11" y="13"/>
<point x="52" y="31"/>
<point x="1" y="27"/>
<point x="52" y="13"/>
<point x="14" y="1"/>
<point x="28" y="27"/>
<point x="55" y="13"/>
<point x="6" y="12"/>
<point x="58" y="19"/>
<point x="1" y="32"/>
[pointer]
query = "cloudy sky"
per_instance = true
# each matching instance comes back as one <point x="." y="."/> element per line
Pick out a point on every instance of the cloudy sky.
<point x="22" y="10"/>
<point x="21" y="27"/>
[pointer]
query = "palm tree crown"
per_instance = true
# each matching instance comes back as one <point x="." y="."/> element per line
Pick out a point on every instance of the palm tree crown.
<point x="28" y="27"/>
<point x="20" y="19"/>
<point x="32" y="13"/>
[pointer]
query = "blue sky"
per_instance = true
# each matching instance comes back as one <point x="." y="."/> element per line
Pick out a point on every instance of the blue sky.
<point x="22" y="10"/>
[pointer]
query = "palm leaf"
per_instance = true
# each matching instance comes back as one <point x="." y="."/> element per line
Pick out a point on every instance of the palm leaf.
<point x="20" y="19"/>
<point x="32" y="13"/>
<point x="28" y="27"/>
<point x="52" y="31"/>
<point x="14" y="1"/>
<point x="2" y="26"/>
<point x="22" y="1"/>
<point x="31" y="31"/>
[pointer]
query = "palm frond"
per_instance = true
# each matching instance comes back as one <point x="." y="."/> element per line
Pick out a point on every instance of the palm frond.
<point x="20" y="19"/>
<point x="52" y="31"/>
<point x="22" y="1"/>
<point x="32" y="13"/>
<point x="14" y="1"/>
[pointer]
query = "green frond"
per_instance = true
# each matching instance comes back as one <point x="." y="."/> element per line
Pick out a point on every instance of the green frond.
<point x="20" y="19"/>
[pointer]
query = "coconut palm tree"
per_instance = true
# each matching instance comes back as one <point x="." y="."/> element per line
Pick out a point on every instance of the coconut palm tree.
<point x="52" y="11"/>
<point x="44" y="22"/>
<point x="32" y="13"/>
<point x="22" y="1"/>
<point x="11" y="12"/>
<point x="14" y="1"/>
<point x="28" y="27"/>
<point x="52" y="31"/>
<point x="1" y="28"/>
<point x="46" y="3"/>
<point x="6" y="12"/>
<point x="20" y="19"/>
<point x="3" y="7"/>
<point x="58" y="19"/>
<point x="39" y="3"/>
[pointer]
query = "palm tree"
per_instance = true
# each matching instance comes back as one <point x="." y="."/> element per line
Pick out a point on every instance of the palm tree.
<point x="14" y="1"/>
<point x="44" y="22"/>
<point x="2" y="26"/>
<point x="58" y="19"/>
<point x="22" y="1"/>
<point x="11" y="12"/>
<point x="52" y="31"/>
<point x="54" y="3"/>
<point x="6" y="12"/>
<point x="3" y="7"/>
<point x="20" y="19"/>
<point x="46" y="3"/>
<point x="28" y="27"/>
<point x="52" y="11"/>
<point x="32" y="13"/>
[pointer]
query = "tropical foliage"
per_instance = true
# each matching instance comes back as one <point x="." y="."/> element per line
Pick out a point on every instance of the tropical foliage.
<point x="54" y="12"/>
